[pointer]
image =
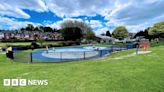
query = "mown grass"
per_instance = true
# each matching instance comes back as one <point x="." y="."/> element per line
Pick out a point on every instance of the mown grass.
<point x="106" y="44"/>
<point x="153" y="44"/>
<point x="140" y="73"/>
<point x="4" y="44"/>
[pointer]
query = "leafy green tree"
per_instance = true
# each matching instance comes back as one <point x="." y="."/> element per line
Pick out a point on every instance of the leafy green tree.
<point x="48" y="29"/>
<point x="22" y="29"/>
<point x="157" y="30"/>
<point x="120" y="33"/>
<point x="41" y="28"/>
<point x="71" y="33"/>
<point x="108" y="33"/>
<point x="90" y="35"/>
<point x="84" y="28"/>
<point x="30" y="27"/>
<point x="41" y="41"/>
<point x="36" y="29"/>
<point x="102" y="34"/>
<point x="74" y="23"/>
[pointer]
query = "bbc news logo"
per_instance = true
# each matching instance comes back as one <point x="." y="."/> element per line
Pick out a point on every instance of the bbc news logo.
<point x="23" y="82"/>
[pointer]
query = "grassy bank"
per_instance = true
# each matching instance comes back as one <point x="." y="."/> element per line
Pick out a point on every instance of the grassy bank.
<point x="2" y="44"/>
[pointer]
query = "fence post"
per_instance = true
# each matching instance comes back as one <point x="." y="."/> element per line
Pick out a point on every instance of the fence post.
<point x="31" y="57"/>
<point x="127" y="46"/>
<point x="60" y="56"/>
<point x="84" y="55"/>
<point x="137" y="48"/>
<point x="100" y="53"/>
<point x="111" y="48"/>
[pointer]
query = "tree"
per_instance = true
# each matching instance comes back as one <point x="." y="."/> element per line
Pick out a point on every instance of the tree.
<point x="108" y="33"/>
<point x="120" y="33"/>
<point x="55" y="30"/>
<point x="36" y="29"/>
<point x="85" y="29"/>
<point x="48" y="29"/>
<point x="41" y="41"/>
<point x="22" y="29"/>
<point x="102" y="34"/>
<point x="74" y="23"/>
<point x="41" y="28"/>
<point x="90" y="35"/>
<point x="157" y="30"/>
<point x="30" y="27"/>
<point x="144" y="34"/>
<point x="71" y="33"/>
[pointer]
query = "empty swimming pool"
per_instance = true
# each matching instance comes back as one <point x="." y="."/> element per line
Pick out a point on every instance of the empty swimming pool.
<point x="68" y="53"/>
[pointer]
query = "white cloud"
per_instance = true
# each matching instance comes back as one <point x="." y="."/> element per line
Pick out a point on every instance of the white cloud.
<point x="8" y="10"/>
<point x="14" y="8"/>
<point x="101" y="30"/>
<point x="78" y="7"/>
<point x="98" y="26"/>
<point x="13" y="24"/>
<point x="135" y="12"/>
<point x="137" y="15"/>
<point x="95" y="24"/>
<point x="57" y="24"/>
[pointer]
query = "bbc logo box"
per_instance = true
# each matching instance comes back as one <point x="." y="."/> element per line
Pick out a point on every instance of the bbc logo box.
<point x="6" y="82"/>
<point x="14" y="82"/>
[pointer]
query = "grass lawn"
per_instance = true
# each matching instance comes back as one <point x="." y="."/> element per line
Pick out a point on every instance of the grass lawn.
<point x="141" y="73"/>
<point x="105" y="44"/>
<point x="2" y="44"/>
<point x="153" y="43"/>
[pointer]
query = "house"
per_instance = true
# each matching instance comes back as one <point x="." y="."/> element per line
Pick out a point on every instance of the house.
<point x="30" y="35"/>
<point x="131" y="35"/>
<point x="8" y="35"/>
<point x="103" y="39"/>
<point x="1" y="35"/>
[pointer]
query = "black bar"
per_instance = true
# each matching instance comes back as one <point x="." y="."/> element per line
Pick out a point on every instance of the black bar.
<point x="60" y="56"/>
<point x="31" y="57"/>
<point x="100" y="53"/>
<point x="84" y="55"/>
<point x="111" y="48"/>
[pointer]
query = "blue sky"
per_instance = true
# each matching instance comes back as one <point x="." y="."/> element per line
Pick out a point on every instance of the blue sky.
<point x="101" y="15"/>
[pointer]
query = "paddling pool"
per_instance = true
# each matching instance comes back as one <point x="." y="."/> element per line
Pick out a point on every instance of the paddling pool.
<point x="68" y="53"/>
